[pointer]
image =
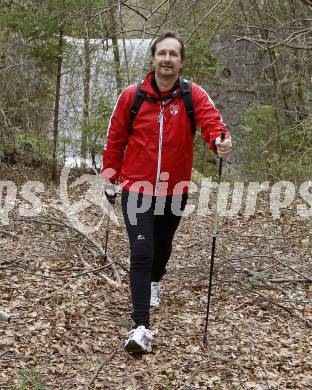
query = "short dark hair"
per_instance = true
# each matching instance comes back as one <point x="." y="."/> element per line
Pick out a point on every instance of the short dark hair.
<point x="169" y="34"/>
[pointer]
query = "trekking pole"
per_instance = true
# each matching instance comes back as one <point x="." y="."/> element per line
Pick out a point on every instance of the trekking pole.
<point x="214" y="239"/>
<point x="112" y="203"/>
<point x="107" y="231"/>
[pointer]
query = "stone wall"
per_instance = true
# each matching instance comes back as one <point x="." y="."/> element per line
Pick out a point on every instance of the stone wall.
<point x="241" y="80"/>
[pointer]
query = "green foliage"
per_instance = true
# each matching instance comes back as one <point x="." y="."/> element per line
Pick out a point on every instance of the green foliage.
<point x="28" y="380"/>
<point x="99" y="117"/>
<point x="9" y="149"/>
<point x="36" y="28"/>
<point x="269" y="154"/>
<point x="41" y="146"/>
<point x="298" y="151"/>
<point x="255" y="278"/>
<point x="201" y="68"/>
<point x="40" y="24"/>
<point x="199" y="65"/>
<point x="39" y="28"/>
<point x="204" y="161"/>
<point x="258" y="142"/>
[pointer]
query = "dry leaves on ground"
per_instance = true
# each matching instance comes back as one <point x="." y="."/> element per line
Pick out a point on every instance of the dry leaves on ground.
<point x="61" y="327"/>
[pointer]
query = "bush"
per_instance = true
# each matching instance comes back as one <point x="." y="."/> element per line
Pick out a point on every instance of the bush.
<point x="272" y="154"/>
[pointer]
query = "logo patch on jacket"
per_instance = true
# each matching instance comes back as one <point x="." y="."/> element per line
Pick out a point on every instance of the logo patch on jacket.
<point x="174" y="109"/>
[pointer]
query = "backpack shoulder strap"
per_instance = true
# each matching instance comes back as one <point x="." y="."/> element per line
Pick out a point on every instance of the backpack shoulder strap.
<point x="138" y="100"/>
<point x="186" y="89"/>
<point x="186" y="93"/>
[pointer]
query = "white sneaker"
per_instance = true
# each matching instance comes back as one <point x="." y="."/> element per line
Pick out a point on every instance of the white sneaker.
<point x="140" y="340"/>
<point x="155" y="294"/>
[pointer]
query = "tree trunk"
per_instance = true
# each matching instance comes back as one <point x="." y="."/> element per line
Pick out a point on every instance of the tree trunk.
<point x="126" y="59"/>
<point x="114" y="38"/>
<point x="57" y="105"/>
<point x="276" y="86"/>
<point x="124" y="48"/>
<point x="299" y="104"/>
<point x="275" y="80"/>
<point x="86" y="102"/>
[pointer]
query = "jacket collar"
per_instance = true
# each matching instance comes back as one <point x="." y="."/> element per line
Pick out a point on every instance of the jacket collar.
<point x="150" y="86"/>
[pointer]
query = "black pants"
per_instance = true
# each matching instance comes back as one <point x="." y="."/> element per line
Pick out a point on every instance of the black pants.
<point x="150" y="235"/>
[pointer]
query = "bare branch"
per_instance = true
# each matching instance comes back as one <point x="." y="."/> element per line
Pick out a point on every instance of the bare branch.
<point x="269" y="44"/>
<point x="191" y="5"/>
<point x="163" y="21"/>
<point x="307" y="2"/>
<point x="156" y="9"/>
<point x="134" y="10"/>
<point x="12" y="66"/>
<point x="203" y="19"/>
<point x="292" y="36"/>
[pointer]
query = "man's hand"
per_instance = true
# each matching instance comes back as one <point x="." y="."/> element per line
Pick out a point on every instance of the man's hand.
<point x="224" y="148"/>
<point x="110" y="193"/>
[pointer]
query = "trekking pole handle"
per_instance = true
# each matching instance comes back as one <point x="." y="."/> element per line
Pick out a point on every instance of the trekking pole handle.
<point x="222" y="138"/>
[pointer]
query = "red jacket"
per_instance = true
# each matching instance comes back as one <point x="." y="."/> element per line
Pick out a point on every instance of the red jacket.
<point x="159" y="149"/>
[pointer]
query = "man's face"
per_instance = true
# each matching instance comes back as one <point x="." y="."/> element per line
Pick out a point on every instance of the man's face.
<point x="167" y="59"/>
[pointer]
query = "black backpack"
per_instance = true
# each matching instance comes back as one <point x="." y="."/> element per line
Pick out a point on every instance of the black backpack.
<point x="186" y="93"/>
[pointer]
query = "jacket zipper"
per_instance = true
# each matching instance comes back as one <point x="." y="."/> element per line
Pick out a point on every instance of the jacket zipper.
<point x="160" y="142"/>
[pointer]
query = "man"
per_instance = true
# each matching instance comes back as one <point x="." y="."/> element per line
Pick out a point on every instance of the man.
<point x="153" y="158"/>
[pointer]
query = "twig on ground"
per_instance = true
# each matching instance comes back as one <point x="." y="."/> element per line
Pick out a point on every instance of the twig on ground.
<point x="33" y="272"/>
<point x="278" y="280"/>
<point x="293" y="269"/>
<point x="191" y="245"/>
<point x="7" y="233"/>
<point x="9" y="287"/>
<point x="113" y="261"/>
<point x="234" y="259"/>
<point x="258" y="277"/>
<point x="239" y="258"/>
<point x="53" y="221"/>
<point x="184" y="386"/>
<point x="4" y="353"/>
<point x="28" y="357"/>
<point x="270" y="300"/>
<point x="91" y="271"/>
<point x="10" y="262"/>
<point x="284" y="264"/>
<point x="105" y="361"/>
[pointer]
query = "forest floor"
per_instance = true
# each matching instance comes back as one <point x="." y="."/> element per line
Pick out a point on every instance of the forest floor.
<point x="66" y="327"/>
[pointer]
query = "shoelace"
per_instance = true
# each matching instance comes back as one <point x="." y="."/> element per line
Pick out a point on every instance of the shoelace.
<point x="147" y="333"/>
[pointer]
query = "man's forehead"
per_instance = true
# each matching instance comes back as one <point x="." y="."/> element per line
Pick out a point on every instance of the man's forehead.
<point x="168" y="44"/>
